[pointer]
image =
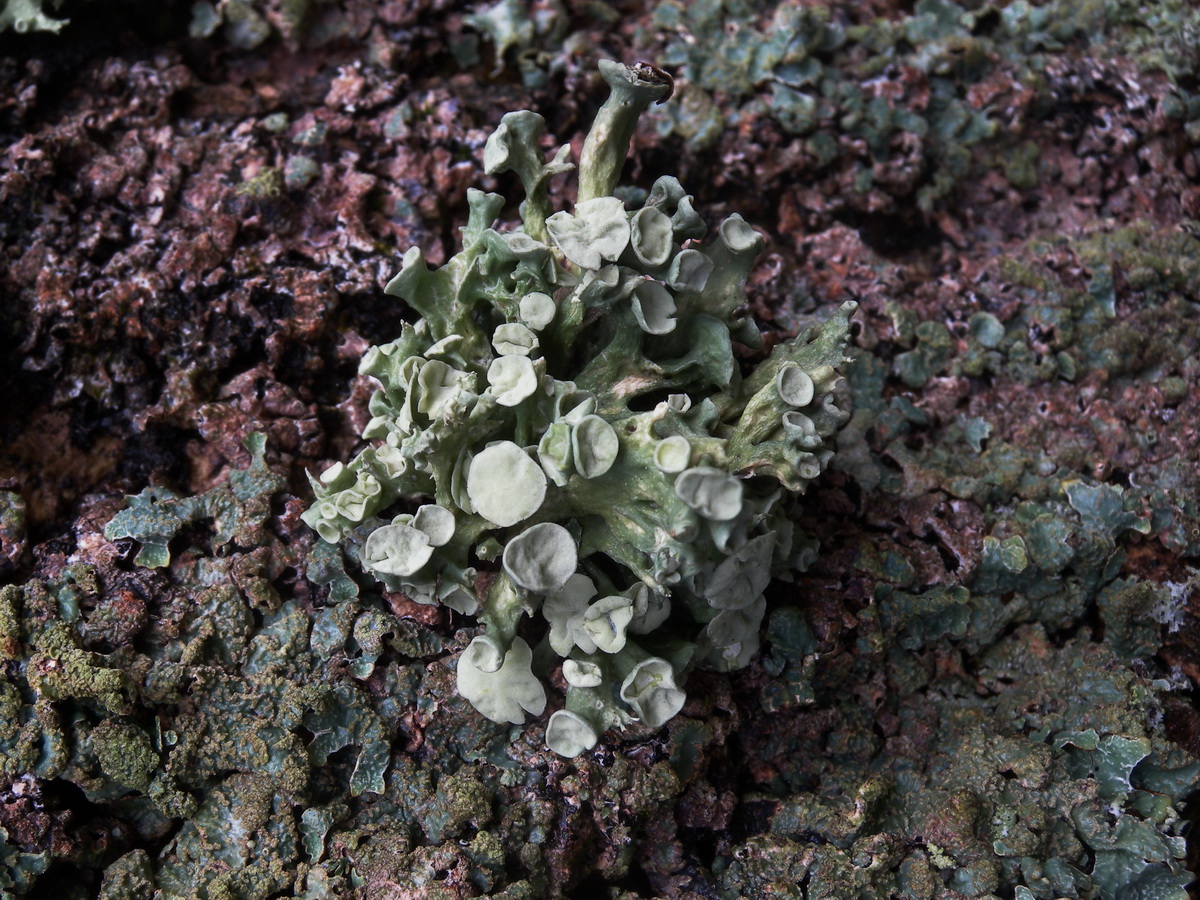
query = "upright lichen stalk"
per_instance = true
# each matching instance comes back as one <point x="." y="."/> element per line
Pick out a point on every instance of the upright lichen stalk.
<point x="571" y="404"/>
<point x="607" y="144"/>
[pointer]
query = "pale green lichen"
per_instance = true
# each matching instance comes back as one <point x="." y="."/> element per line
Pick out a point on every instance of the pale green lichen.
<point x="571" y="402"/>
<point x="25" y="16"/>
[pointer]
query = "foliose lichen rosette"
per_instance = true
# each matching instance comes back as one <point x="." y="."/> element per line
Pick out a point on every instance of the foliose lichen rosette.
<point x="580" y="461"/>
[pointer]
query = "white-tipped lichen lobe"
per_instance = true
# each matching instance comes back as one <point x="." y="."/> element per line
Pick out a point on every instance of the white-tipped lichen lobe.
<point x="637" y="534"/>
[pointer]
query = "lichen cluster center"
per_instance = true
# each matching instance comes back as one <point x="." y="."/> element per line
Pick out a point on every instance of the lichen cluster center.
<point x="568" y="416"/>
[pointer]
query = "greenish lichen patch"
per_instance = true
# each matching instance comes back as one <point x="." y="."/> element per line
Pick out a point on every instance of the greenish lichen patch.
<point x="236" y="509"/>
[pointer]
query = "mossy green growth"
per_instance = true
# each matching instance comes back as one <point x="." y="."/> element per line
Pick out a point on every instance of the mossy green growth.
<point x="125" y="752"/>
<point x="568" y="416"/>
